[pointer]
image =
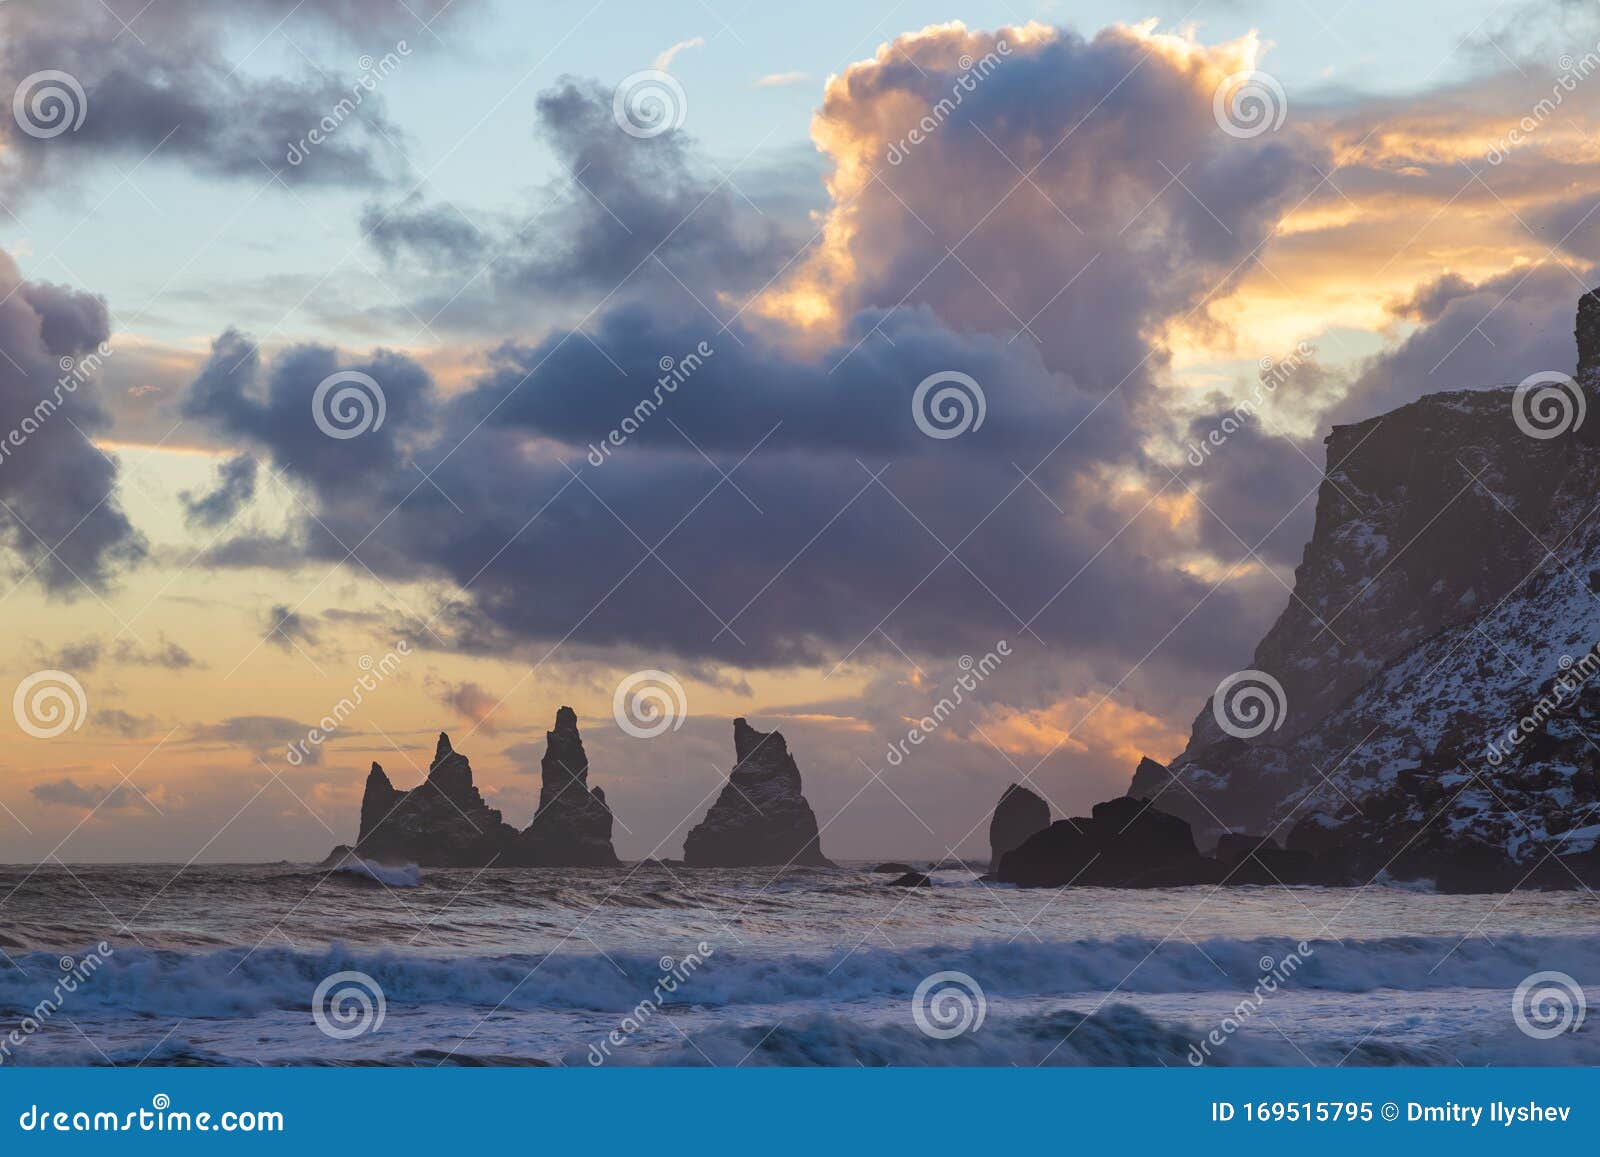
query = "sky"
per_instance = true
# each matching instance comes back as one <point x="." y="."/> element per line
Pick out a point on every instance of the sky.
<point x="784" y="363"/>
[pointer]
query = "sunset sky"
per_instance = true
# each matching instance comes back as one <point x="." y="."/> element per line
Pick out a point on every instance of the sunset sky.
<point x="1087" y="235"/>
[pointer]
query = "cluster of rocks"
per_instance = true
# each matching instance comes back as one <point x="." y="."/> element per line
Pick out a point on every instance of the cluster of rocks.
<point x="444" y="822"/>
<point x="761" y="818"/>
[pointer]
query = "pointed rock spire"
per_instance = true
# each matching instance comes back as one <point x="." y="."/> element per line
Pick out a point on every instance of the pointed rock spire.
<point x="1019" y="814"/>
<point x="761" y="817"/>
<point x="572" y="827"/>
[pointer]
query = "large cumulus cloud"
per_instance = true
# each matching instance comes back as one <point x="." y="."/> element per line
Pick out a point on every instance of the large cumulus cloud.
<point x="782" y="505"/>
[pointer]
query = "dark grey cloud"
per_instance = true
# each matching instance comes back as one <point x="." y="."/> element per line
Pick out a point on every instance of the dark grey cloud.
<point x="286" y="627"/>
<point x="87" y="654"/>
<point x="628" y="218"/>
<point x="261" y="735"/>
<point x="235" y="486"/>
<point x="171" y="81"/>
<point x="60" y="519"/>
<point x="67" y="792"/>
<point x="124" y="723"/>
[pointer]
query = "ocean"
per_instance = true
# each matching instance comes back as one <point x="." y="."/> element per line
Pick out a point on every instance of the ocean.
<point x="221" y="965"/>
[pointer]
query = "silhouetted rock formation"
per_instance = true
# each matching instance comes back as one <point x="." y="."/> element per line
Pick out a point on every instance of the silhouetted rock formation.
<point x="1438" y="656"/>
<point x="760" y="819"/>
<point x="1126" y="843"/>
<point x="444" y="822"/>
<point x="572" y="828"/>
<point x="895" y="867"/>
<point x="1019" y="814"/>
<point x="911" y="880"/>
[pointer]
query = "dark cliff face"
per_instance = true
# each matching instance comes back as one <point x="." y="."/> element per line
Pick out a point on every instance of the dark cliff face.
<point x="761" y="818"/>
<point x="1448" y="575"/>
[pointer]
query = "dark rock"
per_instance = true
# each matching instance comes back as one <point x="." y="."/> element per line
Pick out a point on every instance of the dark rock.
<point x="338" y="856"/>
<point x="911" y="880"/>
<point x="572" y="826"/>
<point x="897" y="868"/>
<point x="1125" y="843"/>
<point x="442" y="823"/>
<point x="1019" y="814"/>
<point x="761" y="818"/>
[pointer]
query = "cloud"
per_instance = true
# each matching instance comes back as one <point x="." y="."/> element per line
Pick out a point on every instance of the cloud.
<point x="61" y="519"/>
<point x="261" y="735"/>
<point x="779" y="505"/>
<point x="468" y="700"/>
<point x="87" y="654"/>
<point x="664" y="60"/>
<point x="67" y="792"/>
<point x="780" y="79"/>
<point x="286" y="626"/>
<point x="235" y="487"/>
<point x="172" y="89"/>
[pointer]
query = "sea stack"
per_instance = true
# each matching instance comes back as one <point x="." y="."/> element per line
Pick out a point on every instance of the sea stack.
<point x="572" y="828"/>
<point x="442" y="823"/>
<point x="1019" y="814"/>
<point x="761" y="818"/>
